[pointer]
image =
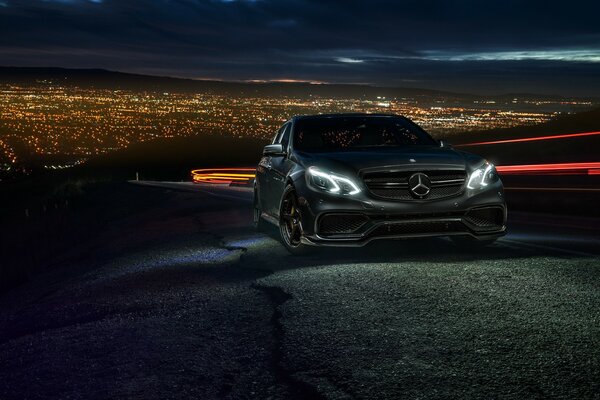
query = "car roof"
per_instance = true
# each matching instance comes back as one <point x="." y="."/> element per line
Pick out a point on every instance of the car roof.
<point x="344" y="115"/>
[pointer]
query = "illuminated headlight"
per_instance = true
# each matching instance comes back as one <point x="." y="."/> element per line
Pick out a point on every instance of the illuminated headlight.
<point x="482" y="176"/>
<point x="331" y="183"/>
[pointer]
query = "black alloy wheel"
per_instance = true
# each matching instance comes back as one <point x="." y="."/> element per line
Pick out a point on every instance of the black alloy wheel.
<point x="290" y="222"/>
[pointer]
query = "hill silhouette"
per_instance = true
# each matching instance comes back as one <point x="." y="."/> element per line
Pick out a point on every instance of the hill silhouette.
<point x="104" y="79"/>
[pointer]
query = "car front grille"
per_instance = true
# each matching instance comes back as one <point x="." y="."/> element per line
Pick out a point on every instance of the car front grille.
<point x="477" y="220"/>
<point x="395" y="185"/>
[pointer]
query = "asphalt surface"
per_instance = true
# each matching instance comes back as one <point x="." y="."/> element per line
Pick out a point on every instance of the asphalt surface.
<point x="184" y="300"/>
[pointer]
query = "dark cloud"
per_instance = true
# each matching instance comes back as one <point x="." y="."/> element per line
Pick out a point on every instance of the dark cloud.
<point x="484" y="46"/>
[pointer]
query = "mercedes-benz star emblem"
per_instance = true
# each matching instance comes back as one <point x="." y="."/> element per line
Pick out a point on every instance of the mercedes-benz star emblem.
<point x="419" y="185"/>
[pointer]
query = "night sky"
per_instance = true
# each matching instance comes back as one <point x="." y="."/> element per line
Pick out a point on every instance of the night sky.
<point x="468" y="46"/>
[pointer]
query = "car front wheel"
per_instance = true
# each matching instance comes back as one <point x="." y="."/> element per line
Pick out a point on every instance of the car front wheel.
<point x="290" y="223"/>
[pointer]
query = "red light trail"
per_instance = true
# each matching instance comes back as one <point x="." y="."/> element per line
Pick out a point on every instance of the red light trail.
<point x="244" y="175"/>
<point x="585" y="168"/>
<point x="531" y="139"/>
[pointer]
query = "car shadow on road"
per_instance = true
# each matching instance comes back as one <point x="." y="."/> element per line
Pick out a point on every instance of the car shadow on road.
<point x="430" y="250"/>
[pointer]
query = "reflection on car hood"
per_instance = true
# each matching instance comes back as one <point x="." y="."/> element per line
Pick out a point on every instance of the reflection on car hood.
<point x="386" y="157"/>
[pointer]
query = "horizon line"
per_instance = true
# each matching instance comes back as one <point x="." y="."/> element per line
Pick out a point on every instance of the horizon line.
<point x="297" y="81"/>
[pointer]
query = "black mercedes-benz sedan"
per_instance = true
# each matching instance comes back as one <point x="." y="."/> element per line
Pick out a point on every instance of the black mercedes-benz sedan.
<point x="347" y="179"/>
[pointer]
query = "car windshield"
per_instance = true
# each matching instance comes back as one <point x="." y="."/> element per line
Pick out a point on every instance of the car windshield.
<point x="331" y="134"/>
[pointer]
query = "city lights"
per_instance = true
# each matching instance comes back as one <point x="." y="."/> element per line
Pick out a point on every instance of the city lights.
<point x="77" y="123"/>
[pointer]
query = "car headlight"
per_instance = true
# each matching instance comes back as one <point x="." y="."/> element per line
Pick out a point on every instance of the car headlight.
<point x="331" y="183"/>
<point x="482" y="176"/>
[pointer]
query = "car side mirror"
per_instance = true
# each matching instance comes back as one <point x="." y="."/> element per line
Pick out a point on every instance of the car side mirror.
<point x="274" y="150"/>
<point x="444" y="143"/>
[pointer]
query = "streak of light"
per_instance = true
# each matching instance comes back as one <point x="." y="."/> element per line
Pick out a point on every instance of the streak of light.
<point x="245" y="175"/>
<point x="585" y="168"/>
<point x="223" y="175"/>
<point x="531" y="139"/>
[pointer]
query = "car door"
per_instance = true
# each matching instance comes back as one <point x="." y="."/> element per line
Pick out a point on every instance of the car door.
<point x="280" y="166"/>
<point x="263" y="177"/>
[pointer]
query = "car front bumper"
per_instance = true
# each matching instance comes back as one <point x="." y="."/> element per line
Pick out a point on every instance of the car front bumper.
<point x="330" y="220"/>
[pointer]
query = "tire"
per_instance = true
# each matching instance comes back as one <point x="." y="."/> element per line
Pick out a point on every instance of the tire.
<point x="258" y="223"/>
<point x="290" y="223"/>
<point x="471" y="242"/>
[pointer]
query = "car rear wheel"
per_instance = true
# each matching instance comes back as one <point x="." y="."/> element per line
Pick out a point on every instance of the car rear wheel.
<point x="257" y="221"/>
<point x="290" y="223"/>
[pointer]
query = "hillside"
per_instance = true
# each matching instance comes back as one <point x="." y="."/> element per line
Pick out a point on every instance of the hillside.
<point x="172" y="159"/>
<point x="544" y="151"/>
<point x="579" y="122"/>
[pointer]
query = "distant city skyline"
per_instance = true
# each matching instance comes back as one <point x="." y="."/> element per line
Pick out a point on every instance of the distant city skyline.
<point x="492" y="47"/>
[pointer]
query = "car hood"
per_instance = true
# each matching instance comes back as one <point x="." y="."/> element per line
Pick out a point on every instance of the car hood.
<point x="354" y="161"/>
